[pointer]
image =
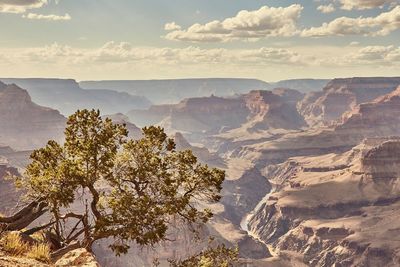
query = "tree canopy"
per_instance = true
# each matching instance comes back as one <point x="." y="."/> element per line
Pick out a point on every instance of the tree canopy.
<point x="99" y="184"/>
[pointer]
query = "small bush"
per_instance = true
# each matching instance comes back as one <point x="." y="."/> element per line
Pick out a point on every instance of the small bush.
<point x="13" y="244"/>
<point x="40" y="252"/>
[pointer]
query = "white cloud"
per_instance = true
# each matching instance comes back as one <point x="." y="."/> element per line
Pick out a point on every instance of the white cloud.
<point x="365" y="4"/>
<point x="172" y="26"/>
<point x="326" y="8"/>
<point x="380" y="25"/>
<point x="389" y="54"/>
<point x="20" y="6"/>
<point x="47" y="17"/>
<point x="121" y="60"/>
<point x="265" y="22"/>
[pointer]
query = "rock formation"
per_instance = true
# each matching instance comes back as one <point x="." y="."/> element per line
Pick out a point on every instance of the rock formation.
<point x="255" y="111"/>
<point x="202" y="153"/>
<point x="338" y="208"/>
<point x="25" y="125"/>
<point x="67" y="97"/>
<point x="342" y="95"/>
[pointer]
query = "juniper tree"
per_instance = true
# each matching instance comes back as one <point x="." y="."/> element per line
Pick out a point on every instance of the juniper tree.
<point x="99" y="184"/>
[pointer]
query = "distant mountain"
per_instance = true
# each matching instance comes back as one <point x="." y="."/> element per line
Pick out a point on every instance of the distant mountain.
<point x="66" y="96"/>
<point x="256" y="111"/>
<point x="173" y="91"/>
<point x="302" y="85"/>
<point x="24" y="124"/>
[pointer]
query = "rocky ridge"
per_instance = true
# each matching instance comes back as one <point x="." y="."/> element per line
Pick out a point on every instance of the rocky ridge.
<point x="66" y="96"/>
<point x="24" y="124"/>
<point x="342" y="95"/>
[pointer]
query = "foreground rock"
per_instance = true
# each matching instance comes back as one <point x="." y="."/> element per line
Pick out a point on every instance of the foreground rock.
<point x="75" y="258"/>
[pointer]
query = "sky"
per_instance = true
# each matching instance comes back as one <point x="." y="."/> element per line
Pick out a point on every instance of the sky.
<point x="159" y="39"/>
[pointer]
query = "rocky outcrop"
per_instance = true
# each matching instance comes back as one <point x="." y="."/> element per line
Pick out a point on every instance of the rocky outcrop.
<point x="67" y="96"/>
<point x="342" y="95"/>
<point x="202" y="153"/>
<point x="79" y="257"/>
<point x="25" y="125"/>
<point x="381" y="116"/>
<point x="338" y="208"/>
<point x="289" y="96"/>
<point x="75" y="258"/>
<point x="273" y="110"/>
<point x="256" y="111"/>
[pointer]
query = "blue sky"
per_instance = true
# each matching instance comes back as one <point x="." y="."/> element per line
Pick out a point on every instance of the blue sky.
<point x="125" y="39"/>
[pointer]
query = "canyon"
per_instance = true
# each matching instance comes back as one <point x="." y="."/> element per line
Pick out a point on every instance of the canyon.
<point x="312" y="173"/>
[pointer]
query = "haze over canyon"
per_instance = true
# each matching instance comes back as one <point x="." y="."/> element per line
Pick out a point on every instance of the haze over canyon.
<point x="311" y="171"/>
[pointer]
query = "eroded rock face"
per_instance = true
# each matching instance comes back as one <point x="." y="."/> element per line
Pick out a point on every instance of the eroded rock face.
<point x="273" y="110"/>
<point x="202" y="153"/>
<point x="381" y="116"/>
<point x="342" y="95"/>
<point x="25" y="125"/>
<point x="259" y="109"/>
<point x="66" y="96"/>
<point x="337" y="208"/>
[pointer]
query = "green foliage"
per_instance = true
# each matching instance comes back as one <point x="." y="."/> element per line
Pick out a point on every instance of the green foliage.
<point x="134" y="187"/>
<point x="217" y="256"/>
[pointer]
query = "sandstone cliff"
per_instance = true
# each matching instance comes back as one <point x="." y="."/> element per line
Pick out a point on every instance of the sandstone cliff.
<point x="338" y="208"/>
<point x="342" y="95"/>
<point x="25" y="125"/>
<point x="256" y="111"/>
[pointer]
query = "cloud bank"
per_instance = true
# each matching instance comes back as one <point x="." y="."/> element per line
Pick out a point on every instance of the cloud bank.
<point x="264" y="22"/>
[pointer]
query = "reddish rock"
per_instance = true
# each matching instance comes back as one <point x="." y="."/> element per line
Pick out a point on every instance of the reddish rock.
<point x="342" y="95"/>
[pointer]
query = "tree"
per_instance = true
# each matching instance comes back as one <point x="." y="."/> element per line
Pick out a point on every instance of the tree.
<point x="213" y="255"/>
<point x="126" y="190"/>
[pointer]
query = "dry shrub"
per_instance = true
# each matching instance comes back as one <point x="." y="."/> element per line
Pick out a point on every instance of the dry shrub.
<point x="40" y="252"/>
<point x="13" y="244"/>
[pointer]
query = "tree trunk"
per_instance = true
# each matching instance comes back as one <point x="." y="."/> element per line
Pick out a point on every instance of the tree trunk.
<point x="24" y="217"/>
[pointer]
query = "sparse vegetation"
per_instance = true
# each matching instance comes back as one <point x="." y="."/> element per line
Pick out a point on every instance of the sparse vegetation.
<point x="40" y="252"/>
<point x="12" y="244"/>
<point x="212" y="256"/>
